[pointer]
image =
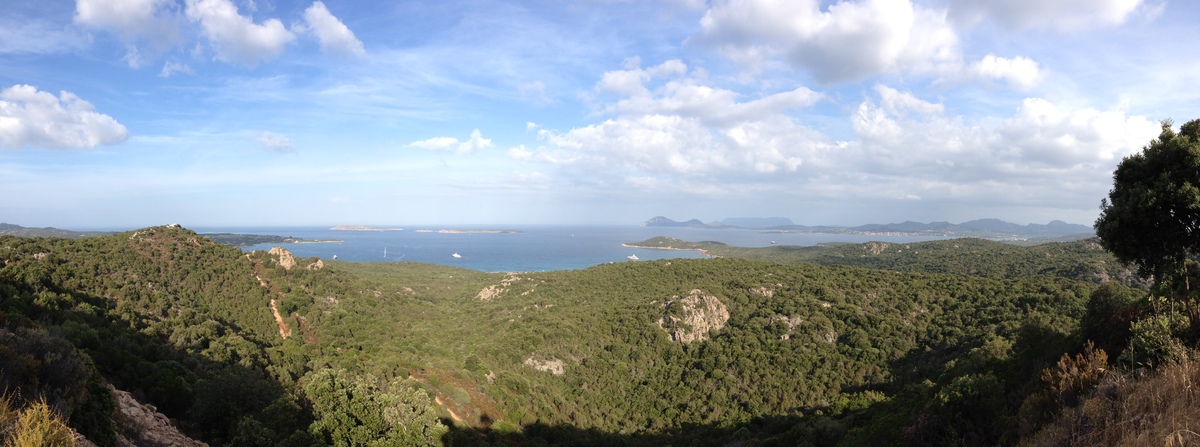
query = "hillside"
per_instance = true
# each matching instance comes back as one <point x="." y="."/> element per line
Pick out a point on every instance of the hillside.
<point x="7" y="229"/>
<point x="1083" y="260"/>
<point x="256" y="348"/>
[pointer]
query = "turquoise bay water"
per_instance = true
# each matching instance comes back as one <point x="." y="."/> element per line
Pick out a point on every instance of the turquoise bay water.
<point x="533" y="248"/>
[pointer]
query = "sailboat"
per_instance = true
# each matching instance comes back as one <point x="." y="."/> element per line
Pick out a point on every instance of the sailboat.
<point x="385" y="251"/>
<point x="456" y="255"/>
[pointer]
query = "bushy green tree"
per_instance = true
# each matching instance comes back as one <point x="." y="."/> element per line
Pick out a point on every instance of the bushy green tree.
<point x="354" y="411"/>
<point x="1151" y="218"/>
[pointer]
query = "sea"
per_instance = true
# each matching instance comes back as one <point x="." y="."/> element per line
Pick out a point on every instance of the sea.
<point x="526" y="248"/>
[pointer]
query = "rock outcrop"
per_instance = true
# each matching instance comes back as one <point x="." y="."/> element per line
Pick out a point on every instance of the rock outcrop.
<point x="552" y="366"/>
<point x="142" y="425"/>
<point x="791" y="323"/>
<point x="285" y="257"/>
<point x="495" y="290"/>
<point x="693" y="317"/>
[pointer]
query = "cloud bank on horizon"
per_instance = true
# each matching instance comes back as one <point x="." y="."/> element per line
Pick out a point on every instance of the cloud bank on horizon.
<point x="125" y="113"/>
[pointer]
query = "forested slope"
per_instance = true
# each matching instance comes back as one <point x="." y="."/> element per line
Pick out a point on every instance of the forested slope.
<point x="684" y="352"/>
<point x="1082" y="260"/>
<point x="591" y="349"/>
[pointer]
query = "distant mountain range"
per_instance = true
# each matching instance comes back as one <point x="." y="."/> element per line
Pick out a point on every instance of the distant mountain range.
<point x="985" y="228"/>
<point x="7" y="229"/>
<point x="236" y="240"/>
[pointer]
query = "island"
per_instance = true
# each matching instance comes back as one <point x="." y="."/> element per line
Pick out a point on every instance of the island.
<point x="670" y="243"/>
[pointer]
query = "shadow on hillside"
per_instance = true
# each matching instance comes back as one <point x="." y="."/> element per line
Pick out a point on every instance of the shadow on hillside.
<point x="217" y="401"/>
<point x="762" y="431"/>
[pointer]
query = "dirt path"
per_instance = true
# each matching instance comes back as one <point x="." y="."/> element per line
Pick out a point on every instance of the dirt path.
<point x="284" y="330"/>
<point x="438" y="399"/>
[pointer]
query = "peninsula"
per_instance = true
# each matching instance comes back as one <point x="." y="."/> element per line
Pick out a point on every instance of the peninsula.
<point x="250" y="240"/>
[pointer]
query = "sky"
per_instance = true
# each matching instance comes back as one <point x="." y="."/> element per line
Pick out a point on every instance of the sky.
<point x="209" y="113"/>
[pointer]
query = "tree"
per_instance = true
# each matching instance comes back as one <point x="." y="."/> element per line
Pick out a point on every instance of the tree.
<point x="353" y="411"/>
<point x="1151" y="218"/>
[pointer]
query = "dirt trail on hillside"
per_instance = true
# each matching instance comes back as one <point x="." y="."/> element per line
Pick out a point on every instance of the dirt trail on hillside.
<point x="438" y="399"/>
<point x="284" y="330"/>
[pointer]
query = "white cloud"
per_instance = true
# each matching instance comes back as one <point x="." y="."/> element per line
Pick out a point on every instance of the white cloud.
<point x="475" y="143"/>
<point x="896" y="102"/>
<point x="141" y="24"/>
<point x="846" y="42"/>
<point x="236" y="38"/>
<point x="37" y="37"/>
<point x="170" y="68"/>
<point x="1064" y="15"/>
<point x="276" y="142"/>
<point x="334" y="36"/>
<point x="1041" y="145"/>
<point x="29" y="117"/>
<point x="679" y="126"/>
<point x="1020" y="73"/>
<point x="1040" y="133"/>
<point x="131" y="19"/>
<point x="689" y="97"/>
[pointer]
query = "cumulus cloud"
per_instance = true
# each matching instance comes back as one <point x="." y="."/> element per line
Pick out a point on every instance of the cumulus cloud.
<point x="30" y="117"/>
<point x="1064" y="15"/>
<point x="276" y="142"/>
<point x="236" y="38"/>
<point x="848" y="41"/>
<point x="151" y="27"/>
<point x="1040" y="140"/>
<point x="130" y="19"/>
<point x="689" y="97"/>
<point x="334" y="36"/>
<point x="1041" y="133"/>
<point x="665" y="121"/>
<point x="1020" y="73"/>
<point x="475" y="143"/>
<point x="670" y="129"/>
<point x="141" y="24"/>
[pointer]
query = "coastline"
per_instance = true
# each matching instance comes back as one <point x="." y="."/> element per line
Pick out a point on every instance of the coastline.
<point x="701" y="250"/>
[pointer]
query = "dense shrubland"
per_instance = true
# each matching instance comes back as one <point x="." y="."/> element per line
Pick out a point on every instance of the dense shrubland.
<point x="803" y="354"/>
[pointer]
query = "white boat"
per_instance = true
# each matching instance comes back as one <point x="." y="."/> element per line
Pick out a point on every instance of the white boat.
<point x="632" y="257"/>
<point x="456" y="255"/>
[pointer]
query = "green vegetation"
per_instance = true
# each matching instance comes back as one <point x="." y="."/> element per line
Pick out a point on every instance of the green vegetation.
<point x="903" y="346"/>
<point x="36" y="425"/>
<point x="1083" y="260"/>
<point x="7" y="229"/>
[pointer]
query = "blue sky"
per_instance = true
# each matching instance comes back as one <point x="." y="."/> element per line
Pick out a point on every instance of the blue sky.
<point x="129" y="113"/>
